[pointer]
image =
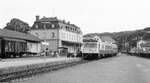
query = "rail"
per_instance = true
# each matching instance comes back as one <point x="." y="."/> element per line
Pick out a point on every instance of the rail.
<point x="31" y="72"/>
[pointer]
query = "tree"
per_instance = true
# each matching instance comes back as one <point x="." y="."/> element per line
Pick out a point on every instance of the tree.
<point x="17" y="25"/>
<point x="146" y="36"/>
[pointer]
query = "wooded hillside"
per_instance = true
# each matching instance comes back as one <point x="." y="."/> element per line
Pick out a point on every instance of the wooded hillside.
<point x="126" y="39"/>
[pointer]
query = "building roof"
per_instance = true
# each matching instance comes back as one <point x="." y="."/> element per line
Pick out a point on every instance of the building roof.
<point x="47" y="22"/>
<point x="52" y="19"/>
<point x="48" y="19"/>
<point x="18" y="35"/>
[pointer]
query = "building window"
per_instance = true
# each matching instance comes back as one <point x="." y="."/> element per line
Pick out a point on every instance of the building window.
<point x="44" y="35"/>
<point x="53" y="26"/>
<point x="63" y="35"/>
<point x="36" y="26"/>
<point x="37" y="34"/>
<point x="61" y="27"/>
<point x="30" y="45"/>
<point x="44" y="26"/>
<point x="53" y="35"/>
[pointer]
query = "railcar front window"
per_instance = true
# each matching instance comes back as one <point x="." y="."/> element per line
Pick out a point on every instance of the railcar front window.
<point x="90" y="45"/>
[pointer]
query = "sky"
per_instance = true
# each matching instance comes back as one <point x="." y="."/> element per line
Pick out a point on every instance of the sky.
<point x="92" y="16"/>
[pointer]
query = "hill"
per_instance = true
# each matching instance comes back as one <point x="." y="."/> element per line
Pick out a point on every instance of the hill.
<point x="125" y="39"/>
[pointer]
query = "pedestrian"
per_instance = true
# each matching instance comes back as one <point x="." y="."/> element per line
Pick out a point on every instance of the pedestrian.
<point x="47" y="52"/>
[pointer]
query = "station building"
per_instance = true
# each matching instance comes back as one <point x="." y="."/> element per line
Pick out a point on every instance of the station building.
<point x="14" y="43"/>
<point x="144" y="42"/>
<point x="143" y="45"/>
<point x="57" y="35"/>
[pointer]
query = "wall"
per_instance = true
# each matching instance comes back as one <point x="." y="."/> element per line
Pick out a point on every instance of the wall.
<point x="50" y="36"/>
<point x="34" y="47"/>
<point x="52" y="44"/>
<point x="45" y="34"/>
<point x="70" y="36"/>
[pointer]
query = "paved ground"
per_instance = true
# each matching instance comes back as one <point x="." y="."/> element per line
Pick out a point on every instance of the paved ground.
<point x="5" y="63"/>
<point x="120" y="69"/>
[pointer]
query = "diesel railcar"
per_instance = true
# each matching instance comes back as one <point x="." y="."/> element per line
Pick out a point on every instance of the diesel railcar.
<point x="98" y="48"/>
<point x="142" y="49"/>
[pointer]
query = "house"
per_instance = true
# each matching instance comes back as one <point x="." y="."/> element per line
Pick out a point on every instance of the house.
<point x="144" y="45"/>
<point x="57" y="35"/>
<point x="32" y="42"/>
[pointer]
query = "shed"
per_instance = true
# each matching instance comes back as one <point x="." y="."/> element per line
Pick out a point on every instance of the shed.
<point x="33" y="42"/>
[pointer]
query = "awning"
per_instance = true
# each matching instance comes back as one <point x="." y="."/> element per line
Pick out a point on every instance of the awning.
<point x="11" y="39"/>
<point x="71" y="42"/>
<point x="62" y="48"/>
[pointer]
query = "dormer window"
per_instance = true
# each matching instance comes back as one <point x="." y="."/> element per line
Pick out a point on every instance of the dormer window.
<point x="66" y="27"/>
<point x="53" y="35"/>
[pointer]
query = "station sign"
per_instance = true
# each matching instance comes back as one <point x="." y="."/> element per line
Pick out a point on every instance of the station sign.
<point x="45" y="43"/>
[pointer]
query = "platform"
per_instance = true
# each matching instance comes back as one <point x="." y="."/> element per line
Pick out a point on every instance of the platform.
<point x="5" y="63"/>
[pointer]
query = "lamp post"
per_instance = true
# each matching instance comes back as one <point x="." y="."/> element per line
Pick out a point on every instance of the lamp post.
<point x="45" y="44"/>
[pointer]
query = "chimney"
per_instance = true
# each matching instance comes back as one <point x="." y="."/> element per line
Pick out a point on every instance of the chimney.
<point x="37" y="17"/>
<point x="63" y="21"/>
<point x="55" y="17"/>
<point x="68" y="22"/>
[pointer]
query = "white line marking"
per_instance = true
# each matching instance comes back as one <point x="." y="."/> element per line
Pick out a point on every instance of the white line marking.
<point x="140" y="65"/>
<point x="146" y="70"/>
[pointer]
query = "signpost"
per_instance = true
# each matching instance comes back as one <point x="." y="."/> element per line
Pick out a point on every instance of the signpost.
<point x="45" y="44"/>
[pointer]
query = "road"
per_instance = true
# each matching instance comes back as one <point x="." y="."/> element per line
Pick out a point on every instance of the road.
<point x="120" y="69"/>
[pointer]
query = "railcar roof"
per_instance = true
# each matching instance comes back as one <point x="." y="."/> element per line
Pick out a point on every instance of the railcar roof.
<point x="103" y="38"/>
<point x="18" y="35"/>
<point x="90" y="40"/>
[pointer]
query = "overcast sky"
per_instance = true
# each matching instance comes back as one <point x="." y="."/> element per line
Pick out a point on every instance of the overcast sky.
<point x="90" y="15"/>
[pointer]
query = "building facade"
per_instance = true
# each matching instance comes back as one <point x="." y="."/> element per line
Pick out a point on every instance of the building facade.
<point x="144" y="45"/>
<point x="57" y="34"/>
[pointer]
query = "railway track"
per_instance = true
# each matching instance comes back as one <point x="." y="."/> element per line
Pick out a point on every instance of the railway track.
<point x="4" y="78"/>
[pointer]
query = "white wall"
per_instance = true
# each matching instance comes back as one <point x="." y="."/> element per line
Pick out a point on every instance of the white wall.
<point x="45" y="34"/>
<point x="34" y="47"/>
<point x="70" y="36"/>
<point x="49" y="35"/>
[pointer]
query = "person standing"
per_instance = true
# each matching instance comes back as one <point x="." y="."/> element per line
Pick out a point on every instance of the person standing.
<point x="46" y="52"/>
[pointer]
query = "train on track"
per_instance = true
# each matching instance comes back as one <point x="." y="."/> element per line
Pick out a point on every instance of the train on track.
<point x="139" y="52"/>
<point x="98" y="47"/>
<point x="142" y="49"/>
